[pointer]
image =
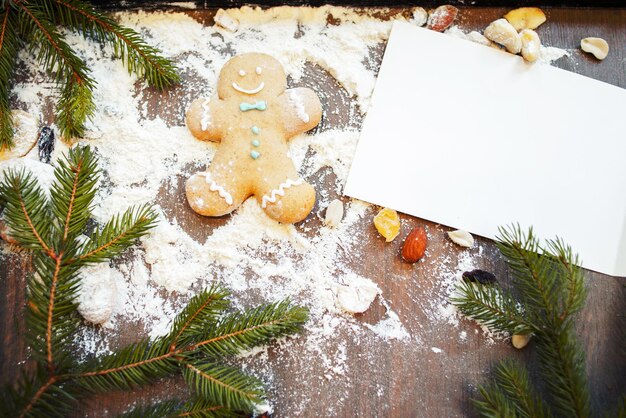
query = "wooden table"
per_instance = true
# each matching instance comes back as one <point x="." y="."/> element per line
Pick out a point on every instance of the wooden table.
<point x="391" y="378"/>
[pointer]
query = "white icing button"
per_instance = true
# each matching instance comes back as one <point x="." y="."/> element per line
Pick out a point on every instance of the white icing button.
<point x="258" y="70"/>
<point x="242" y="73"/>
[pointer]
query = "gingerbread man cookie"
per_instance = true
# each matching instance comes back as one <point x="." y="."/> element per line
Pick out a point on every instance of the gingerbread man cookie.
<point x="253" y="117"/>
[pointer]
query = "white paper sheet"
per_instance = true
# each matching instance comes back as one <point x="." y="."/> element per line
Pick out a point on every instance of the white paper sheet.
<point x="474" y="138"/>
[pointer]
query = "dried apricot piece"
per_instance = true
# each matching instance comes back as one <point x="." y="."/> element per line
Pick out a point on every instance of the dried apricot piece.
<point x="387" y="223"/>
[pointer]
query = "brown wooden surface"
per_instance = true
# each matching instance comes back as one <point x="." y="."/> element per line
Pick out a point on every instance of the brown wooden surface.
<point x="388" y="378"/>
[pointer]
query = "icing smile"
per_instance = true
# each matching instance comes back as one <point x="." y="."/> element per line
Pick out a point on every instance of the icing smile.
<point x="252" y="91"/>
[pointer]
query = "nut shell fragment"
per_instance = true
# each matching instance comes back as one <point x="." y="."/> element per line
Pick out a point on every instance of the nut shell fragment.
<point x="334" y="213"/>
<point x="520" y="341"/>
<point x="596" y="46"/>
<point x="531" y="45"/>
<point x="502" y="32"/>
<point x="462" y="238"/>
<point x="356" y="295"/>
<point x="442" y="17"/>
<point x="526" y="18"/>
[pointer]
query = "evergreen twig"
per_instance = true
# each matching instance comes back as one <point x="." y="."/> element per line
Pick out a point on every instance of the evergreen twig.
<point x="550" y="287"/>
<point x="35" y="24"/>
<point x="201" y="335"/>
<point x="8" y="55"/>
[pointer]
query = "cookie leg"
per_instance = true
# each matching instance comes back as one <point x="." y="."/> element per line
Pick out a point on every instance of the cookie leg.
<point x="211" y="198"/>
<point x="288" y="202"/>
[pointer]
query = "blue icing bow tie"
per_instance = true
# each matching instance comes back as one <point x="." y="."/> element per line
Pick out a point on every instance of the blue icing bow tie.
<point x="260" y="105"/>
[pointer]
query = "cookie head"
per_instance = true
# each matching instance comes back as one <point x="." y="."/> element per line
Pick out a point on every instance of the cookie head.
<point x="251" y="76"/>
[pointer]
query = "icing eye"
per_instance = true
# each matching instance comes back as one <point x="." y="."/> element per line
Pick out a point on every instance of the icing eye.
<point x="242" y="73"/>
<point x="258" y="70"/>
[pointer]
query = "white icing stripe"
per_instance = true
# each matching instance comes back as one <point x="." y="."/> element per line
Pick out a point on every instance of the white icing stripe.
<point x="214" y="187"/>
<point x="279" y="192"/>
<point x="296" y="100"/>
<point x="206" y="115"/>
<point x="253" y="91"/>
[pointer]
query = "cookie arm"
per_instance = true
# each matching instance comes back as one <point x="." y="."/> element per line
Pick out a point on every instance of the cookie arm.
<point x="301" y="109"/>
<point x="202" y="117"/>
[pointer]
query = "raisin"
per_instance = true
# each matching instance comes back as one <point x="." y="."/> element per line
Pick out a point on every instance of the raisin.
<point x="45" y="144"/>
<point x="479" y="276"/>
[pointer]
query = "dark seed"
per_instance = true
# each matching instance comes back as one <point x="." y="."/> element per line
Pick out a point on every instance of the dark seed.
<point x="479" y="276"/>
<point x="45" y="144"/>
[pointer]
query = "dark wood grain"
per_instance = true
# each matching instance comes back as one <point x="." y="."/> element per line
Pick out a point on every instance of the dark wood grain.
<point x="385" y="379"/>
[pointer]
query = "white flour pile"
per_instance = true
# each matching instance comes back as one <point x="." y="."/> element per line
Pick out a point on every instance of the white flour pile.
<point x="142" y="155"/>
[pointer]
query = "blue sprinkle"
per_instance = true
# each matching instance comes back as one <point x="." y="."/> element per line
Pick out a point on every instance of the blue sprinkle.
<point x="254" y="155"/>
<point x="255" y="130"/>
<point x="256" y="142"/>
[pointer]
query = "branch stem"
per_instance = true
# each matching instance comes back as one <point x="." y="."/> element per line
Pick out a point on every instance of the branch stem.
<point x="53" y="287"/>
<point x="70" y="206"/>
<point x="37" y="395"/>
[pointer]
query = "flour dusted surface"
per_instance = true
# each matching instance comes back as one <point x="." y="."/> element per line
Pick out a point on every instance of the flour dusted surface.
<point x="147" y="153"/>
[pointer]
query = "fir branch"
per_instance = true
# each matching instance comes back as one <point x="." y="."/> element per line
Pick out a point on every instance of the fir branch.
<point x="73" y="190"/>
<point x="8" y="55"/>
<point x="241" y="331"/>
<point x="35" y="24"/>
<point x="117" y="235"/>
<point x="196" y="408"/>
<point x="52" y="321"/>
<point x="514" y="381"/>
<point x="164" y="409"/>
<point x="135" y="365"/>
<point x="75" y="105"/>
<point x="26" y="212"/>
<point x="37" y="394"/>
<point x="143" y="362"/>
<point x="494" y="403"/>
<point x="551" y="289"/>
<point x="139" y="57"/>
<point x="571" y="277"/>
<point x="223" y="385"/>
<point x="532" y="272"/>
<point x="492" y="307"/>
<point x="50" y="317"/>
<point x="562" y="365"/>
<point x="201" y="408"/>
<point x="200" y="313"/>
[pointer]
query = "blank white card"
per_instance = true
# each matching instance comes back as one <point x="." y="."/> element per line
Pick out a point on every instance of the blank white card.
<point x="475" y="138"/>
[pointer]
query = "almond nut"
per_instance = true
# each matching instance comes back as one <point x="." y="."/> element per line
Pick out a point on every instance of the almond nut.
<point x="443" y="16"/>
<point x="415" y="245"/>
